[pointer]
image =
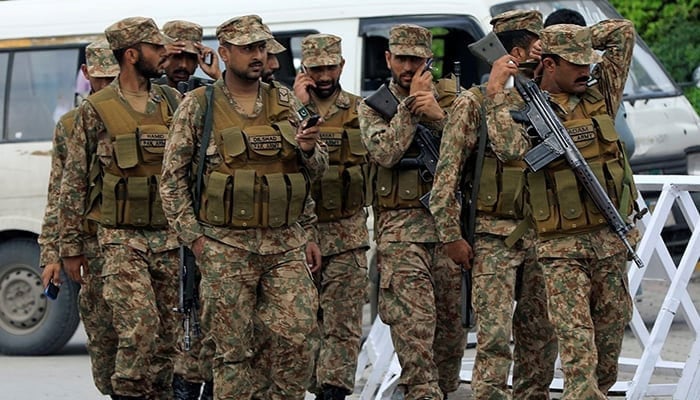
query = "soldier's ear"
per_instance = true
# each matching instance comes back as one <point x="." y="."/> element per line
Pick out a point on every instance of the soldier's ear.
<point x="131" y="55"/>
<point x="223" y="53"/>
<point x="387" y="55"/>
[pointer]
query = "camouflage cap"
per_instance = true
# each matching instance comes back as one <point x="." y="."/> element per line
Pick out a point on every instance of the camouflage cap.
<point x="321" y="49"/>
<point x="100" y="60"/>
<point x="185" y="31"/>
<point x="514" y="20"/>
<point x="130" y="31"/>
<point x="570" y="42"/>
<point x="244" y="30"/>
<point x="410" y="40"/>
<point x="273" y="46"/>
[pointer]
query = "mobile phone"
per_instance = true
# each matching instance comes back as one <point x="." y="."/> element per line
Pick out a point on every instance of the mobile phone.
<point x="51" y="290"/>
<point x="312" y="121"/>
<point x="208" y="58"/>
<point x="428" y="65"/>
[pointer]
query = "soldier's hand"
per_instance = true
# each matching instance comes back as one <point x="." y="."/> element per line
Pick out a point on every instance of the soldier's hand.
<point x="501" y="70"/>
<point x="313" y="256"/>
<point x="51" y="272"/>
<point x="212" y="70"/>
<point x="421" y="81"/>
<point x="460" y="252"/>
<point x="198" y="246"/>
<point x="425" y="104"/>
<point x="307" y="138"/>
<point x="171" y="49"/>
<point x="302" y="85"/>
<point x="76" y="267"/>
<point x="536" y="51"/>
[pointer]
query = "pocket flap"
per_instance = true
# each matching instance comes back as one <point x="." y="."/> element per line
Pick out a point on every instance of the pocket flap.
<point x="126" y="150"/>
<point x="355" y="142"/>
<point x="567" y="194"/>
<point x="152" y="138"/>
<point x="234" y="144"/>
<point x="263" y="140"/>
<point x="607" y="127"/>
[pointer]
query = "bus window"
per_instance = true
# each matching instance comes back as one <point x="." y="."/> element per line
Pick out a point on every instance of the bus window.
<point x="42" y="85"/>
<point x="3" y="79"/>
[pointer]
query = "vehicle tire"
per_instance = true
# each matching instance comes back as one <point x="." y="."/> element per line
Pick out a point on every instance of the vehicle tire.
<point x="31" y="324"/>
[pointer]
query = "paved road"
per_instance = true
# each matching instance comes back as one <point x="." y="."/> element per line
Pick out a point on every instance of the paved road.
<point x="67" y="375"/>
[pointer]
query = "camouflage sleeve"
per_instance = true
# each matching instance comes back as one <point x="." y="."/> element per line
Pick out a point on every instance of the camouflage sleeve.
<point x="457" y="143"/>
<point x="50" y="232"/>
<point x="316" y="163"/>
<point x="508" y="138"/>
<point x="386" y="142"/>
<point x="177" y="168"/>
<point x="81" y="144"/>
<point x="308" y="220"/>
<point x="615" y="37"/>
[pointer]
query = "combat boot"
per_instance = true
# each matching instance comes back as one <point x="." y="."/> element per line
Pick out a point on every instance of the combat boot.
<point x="184" y="390"/>
<point x="208" y="391"/>
<point x="331" y="392"/>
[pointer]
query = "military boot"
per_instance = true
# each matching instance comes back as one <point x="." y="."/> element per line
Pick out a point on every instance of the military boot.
<point x="185" y="390"/>
<point x="331" y="392"/>
<point x="208" y="391"/>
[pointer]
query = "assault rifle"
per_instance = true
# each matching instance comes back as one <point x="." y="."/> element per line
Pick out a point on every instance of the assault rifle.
<point x="555" y="141"/>
<point x="384" y="102"/>
<point x="188" y="293"/>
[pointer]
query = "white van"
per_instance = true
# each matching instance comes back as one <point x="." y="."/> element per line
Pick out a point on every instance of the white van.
<point x="41" y="47"/>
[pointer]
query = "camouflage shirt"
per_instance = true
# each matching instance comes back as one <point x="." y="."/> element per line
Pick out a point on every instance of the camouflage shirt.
<point x="184" y="143"/>
<point x="510" y="142"/>
<point x="386" y="143"/>
<point x="335" y="237"/>
<point x="90" y="137"/>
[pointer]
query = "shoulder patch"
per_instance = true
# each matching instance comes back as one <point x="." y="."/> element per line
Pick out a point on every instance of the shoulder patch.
<point x="283" y="96"/>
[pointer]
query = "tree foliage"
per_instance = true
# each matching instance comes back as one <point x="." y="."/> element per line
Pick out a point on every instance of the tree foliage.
<point x="670" y="28"/>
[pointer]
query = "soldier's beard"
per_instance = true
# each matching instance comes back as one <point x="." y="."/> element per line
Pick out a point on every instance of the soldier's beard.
<point x="326" y="92"/>
<point x="146" y="70"/>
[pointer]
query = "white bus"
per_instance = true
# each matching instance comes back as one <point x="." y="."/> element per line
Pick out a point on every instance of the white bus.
<point x="41" y="47"/>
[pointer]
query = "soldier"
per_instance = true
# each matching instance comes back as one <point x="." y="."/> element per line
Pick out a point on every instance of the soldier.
<point x="502" y="251"/>
<point x="340" y="198"/>
<point x="100" y="69"/>
<point x="185" y="54"/>
<point x="253" y="237"/>
<point x="419" y="284"/>
<point x="582" y="259"/>
<point x="273" y="64"/>
<point x="111" y="175"/>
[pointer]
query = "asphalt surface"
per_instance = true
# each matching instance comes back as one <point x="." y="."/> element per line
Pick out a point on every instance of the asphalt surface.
<point x="67" y="375"/>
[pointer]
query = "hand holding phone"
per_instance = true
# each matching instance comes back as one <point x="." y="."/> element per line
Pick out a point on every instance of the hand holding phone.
<point x="312" y="121"/>
<point x="428" y="65"/>
<point x="51" y="290"/>
<point x="208" y="58"/>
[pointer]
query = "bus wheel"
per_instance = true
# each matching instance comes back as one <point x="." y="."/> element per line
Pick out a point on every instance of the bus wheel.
<point x="31" y="324"/>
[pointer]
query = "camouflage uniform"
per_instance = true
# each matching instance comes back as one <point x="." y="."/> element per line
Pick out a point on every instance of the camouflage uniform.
<point x="140" y="268"/>
<point x="584" y="267"/>
<point x="419" y="284"/>
<point x="94" y="311"/>
<point x="340" y="198"/>
<point x="247" y="272"/>
<point x="495" y="265"/>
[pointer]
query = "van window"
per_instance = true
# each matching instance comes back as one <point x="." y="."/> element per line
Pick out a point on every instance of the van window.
<point x="451" y="35"/>
<point x="3" y="78"/>
<point x="42" y="88"/>
<point x="289" y="60"/>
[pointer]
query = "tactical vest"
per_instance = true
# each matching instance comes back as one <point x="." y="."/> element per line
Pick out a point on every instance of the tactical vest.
<point x="344" y="188"/>
<point x="125" y="193"/>
<point x="502" y="184"/>
<point x="559" y="204"/>
<point x="259" y="182"/>
<point x="400" y="188"/>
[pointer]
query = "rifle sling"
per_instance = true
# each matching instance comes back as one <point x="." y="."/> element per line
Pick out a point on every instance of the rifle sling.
<point x="206" y="136"/>
<point x="476" y="178"/>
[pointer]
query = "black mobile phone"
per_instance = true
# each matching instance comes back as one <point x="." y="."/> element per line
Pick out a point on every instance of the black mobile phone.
<point x="428" y="65"/>
<point x="51" y="290"/>
<point x="312" y="121"/>
<point x="208" y="58"/>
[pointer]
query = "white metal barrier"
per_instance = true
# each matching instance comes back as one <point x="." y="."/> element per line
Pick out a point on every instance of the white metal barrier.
<point x="378" y="356"/>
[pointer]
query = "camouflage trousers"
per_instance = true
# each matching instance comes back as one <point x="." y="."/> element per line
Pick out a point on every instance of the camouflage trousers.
<point x="343" y="291"/>
<point x="277" y="290"/>
<point x="96" y="315"/>
<point x="140" y="287"/>
<point x="419" y="299"/>
<point x="494" y="283"/>
<point x="590" y="306"/>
